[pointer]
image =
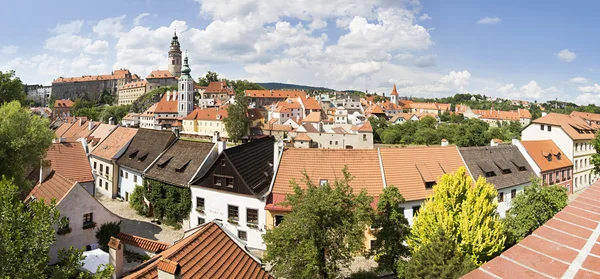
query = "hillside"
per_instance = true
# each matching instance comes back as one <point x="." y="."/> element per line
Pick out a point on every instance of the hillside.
<point x="278" y="85"/>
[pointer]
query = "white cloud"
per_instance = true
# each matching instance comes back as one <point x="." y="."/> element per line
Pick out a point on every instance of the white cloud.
<point x="459" y="79"/>
<point x="72" y="27"/>
<point x="109" y="26"/>
<point x="589" y="89"/>
<point x="97" y="47"/>
<point x="9" y="49"/>
<point x="489" y="20"/>
<point x="81" y="62"/>
<point x="66" y="42"/>
<point x="578" y="80"/>
<point x="425" y="61"/>
<point x="317" y="24"/>
<point x="566" y="55"/>
<point x="506" y="88"/>
<point x="138" y="19"/>
<point x="424" y="17"/>
<point x="530" y="91"/>
<point x="588" y="98"/>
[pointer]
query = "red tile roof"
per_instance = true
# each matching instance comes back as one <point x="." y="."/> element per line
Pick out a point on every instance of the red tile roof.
<point x="63" y="103"/>
<point x="219" y="87"/>
<point x="274" y="93"/>
<point x="117" y="140"/>
<point x="586" y="115"/>
<point x="216" y="114"/>
<point x="210" y="252"/>
<point x="394" y="91"/>
<point x="167" y="106"/>
<point x="143" y="243"/>
<point x="118" y="74"/>
<point x="567" y="246"/>
<point x="302" y="137"/>
<point x="54" y="187"/>
<point x="69" y="159"/>
<point x="160" y="74"/>
<point x="150" y="110"/>
<point x="574" y="126"/>
<point x="79" y="129"/>
<point x="310" y="102"/>
<point x="135" y="84"/>
<point x="539" y="150"/>
<point x="312" y="117"/>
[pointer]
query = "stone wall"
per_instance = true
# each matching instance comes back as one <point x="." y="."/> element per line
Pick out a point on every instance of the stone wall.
<point x="90" y="89"/>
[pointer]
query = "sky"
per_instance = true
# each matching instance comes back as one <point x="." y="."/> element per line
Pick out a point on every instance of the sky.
<point x="529" y="50"/>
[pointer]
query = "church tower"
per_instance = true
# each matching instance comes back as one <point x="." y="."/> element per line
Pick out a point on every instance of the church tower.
<point x="175" y="57"/>
<point x="394" y="95"/>
<point x="185" y="103"/>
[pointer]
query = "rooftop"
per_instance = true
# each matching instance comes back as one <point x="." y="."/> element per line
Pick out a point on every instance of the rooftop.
<point x="117" y="74"/>
<point x="145" y="148"/>
<point x="69" y="159"/>
<point x="167" y="103"/>
<point x="258" y="172"/>
<point x="54" y="187"/>
<point x="160" y="74"/>
<point x="143" y="243"/>
<point x="274" y="93"/>
<point x="574" y="126"/>
<point x="207" y="114"/>
<point x="117" y="140"/>
<point x="541" y="150"/>
<point x="180" y="162"/>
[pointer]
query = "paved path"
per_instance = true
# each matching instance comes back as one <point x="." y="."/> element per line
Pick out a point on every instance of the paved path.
<point x="133" y="223"/>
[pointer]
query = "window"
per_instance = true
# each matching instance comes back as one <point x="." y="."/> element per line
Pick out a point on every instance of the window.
<point x="217" y="180"/>
<point x="490" y="174"/>
<point x="94" y="165"/>
<point x="199" y="203"/>
<point x="252" y="216"/>
<point x="364" y="137"/>
<point x="429" y="184"/>
<point x="222" y="162"/>
<point x="330" y="142"/>
<point x="126" y="175"/>
<point x="107" y="170"/>
<point x="232" y="212"/>
<point x="88" y="218"/>
<point x="135" y="179"/>
<point x="126" y="196"/>
<point x="100" y="182"/>
<point x="278" y="220"/>
<point x="336" y="142"/>
<point x="243" y="235"/>
<point x="506" y="171"/>
<point x="201" y="221"/>
<point x="542" y="127"/>
<point x="416" y="210"/>
<point x="513" y="193"/>
<point x="500" y="196"/>
<point x="521" y="168"/>
<point x="101" y="168"/>
<point x="323" y="182"/>
<point x="549" y="128"/>
<point x="229" y="182"/>
<point x="121" y="173"/>
<point x="549" y="157"/>
<point x="550" y="178"/>
<point x="558" y="156"/>
<point x="106" y="185"/>
<point x="372" y="244"/>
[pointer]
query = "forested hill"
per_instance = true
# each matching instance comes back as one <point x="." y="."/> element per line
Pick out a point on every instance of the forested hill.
<point x="278" y="85"/>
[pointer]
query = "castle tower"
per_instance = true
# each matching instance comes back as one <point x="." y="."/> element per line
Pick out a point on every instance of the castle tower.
<point x="394" y="96"/>
<point x="185" y="103"/>
<point x="175" y="56"/>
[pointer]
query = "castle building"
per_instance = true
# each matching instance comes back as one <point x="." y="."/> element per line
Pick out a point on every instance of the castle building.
<point x="175" y="57"/>
<point x="90" y="87"/>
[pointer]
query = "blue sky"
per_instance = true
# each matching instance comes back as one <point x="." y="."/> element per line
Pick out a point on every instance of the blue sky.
<point x="534" y="50"/>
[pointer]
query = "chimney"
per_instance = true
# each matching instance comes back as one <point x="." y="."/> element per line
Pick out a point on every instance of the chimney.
<point x="444" y="142"/>
<point x="176" y="131"/>
<point x="115" y="257"/>
<point x="277" y="149"/>
<point x="168" y="95"/>
<point x="90" y="125"/>
<point x="80" y="121"/>
<point x="169" y="269"/>
<point x="45" y="169"/>
<point x="111" y="121"/>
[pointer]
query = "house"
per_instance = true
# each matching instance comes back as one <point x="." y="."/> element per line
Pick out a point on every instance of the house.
<point x="70" y="160"/>
<point x="97" y="136"/>
<point x="131" y="120"/>
<point x="218" y="90"/>
<point x="166" y="112"/>
<point x="144" y="149"/>
<point x="81" y="210"/>
<point x="573" y="135"/>
<point x="503" y="166"/>
<point x="548" y="162"/>
<point x="564" y="247"/>
<point x="497" y="117"/>
<point x="433" y="108"/>
<point x="130" y="92"/>
<point x="590" y="118"/>
<point x="148" y="119"/>
<point x="206" y="123"/>
<point x="103" y="161"/>
<point x="62" y="109"/>
<point x="76" y="128"/>
<point x="262" y="98"/>
<point x="337" y="136"/>
<point x="234" y="188"/>
<point x="280" y="112"/>
<point x="207" y="251"/>
<point x="401" y="117"/>
<point x="160" y="78"/>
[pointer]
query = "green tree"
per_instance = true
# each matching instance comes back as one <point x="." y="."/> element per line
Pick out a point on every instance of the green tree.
<point x="104" y="233"/>
<point x="208" y="78"/>
<point x="466" y="211"/>
<point x="116" y="112"/>
<point x="11" y="88"/>
<point x="322" y="233"/>
<point x="24" y="138"/>
<point x="472" y="133"/>
<point x="51" y="101"/>
<point x="242" y="85"/>
<point x="391" y="229"/>
<point x="237" y="124"/>
<point x="136" y="200"/>
<point x="438" y="259"/>
<point x="532" y="208"/>
<point x="391" y="136"/>
<point x="596" y="156"/>
<point x="170" y="203"/>
<point x="70" y="263"/>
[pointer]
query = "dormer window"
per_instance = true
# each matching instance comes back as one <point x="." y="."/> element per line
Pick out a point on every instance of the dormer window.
<point x="558" y="156"/>
<point x="506" y="171"/>
<point x="323" y="182"/>
<point x="429" y="184"/>
<point x="490" y="174"/>
<point x="549" y="157"/>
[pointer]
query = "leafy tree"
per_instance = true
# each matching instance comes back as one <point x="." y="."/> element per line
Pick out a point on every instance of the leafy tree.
<point x="322" y="233"/>
<point x="364" y="275"/>
<point x="596" y="156"/>
<point x="466" y="211"/>
<point x="392" y="229"/>
<point x="242" y="85"/>
<point x="24" y="138"/>
<point x="237" y="124"/>
<point x="142" y="103"/>
<point x="531" y="209"/>
<point x="391" y="137"/>
<point x="104" y="233"/>
<point x="51" y="101"/>
<point x="92" y="113"/>
<point x="208" y="78"/>
<point x="472" y="133"/>
<point x="70" y="264"/>
<point x="171" y="204"/>
<point x="106" y="98"/>
<point x="11" y="88"/>
<point x="439" y="258"/>
<point x="116" y="112"/>
<point x="136" y="200"/>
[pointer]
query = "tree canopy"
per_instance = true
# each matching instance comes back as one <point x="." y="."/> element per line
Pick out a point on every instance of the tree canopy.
<point x="208" y="78"/>
<point x="24" y="139"/>
<point x="466" y="211"/>
<point x="237" y="124"/>
<point x="322" y="233"/>
<point x="532" y="208"/>
<point x="11" y="88"/>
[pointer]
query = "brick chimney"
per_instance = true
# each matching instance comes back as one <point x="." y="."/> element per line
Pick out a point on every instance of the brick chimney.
<point x="45" y="169"/>
<point x="115" y="257"/>
<point x="169" y="269"/>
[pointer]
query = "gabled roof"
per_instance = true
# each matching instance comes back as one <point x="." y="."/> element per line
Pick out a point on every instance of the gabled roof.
<point x="215" y="114"/>
<point x="586" y="115"/>
<point x="574" y="126"/>
<point x="539" y="150"/>
<point x="79" y="128"/>
<point x="210" y="252"/>
<point x="144" y="148"/>
<point x="564" y="247"/>
<point x="69" y="159"/>
<point x="497" y="159"/>
<point x="256" y="173"/>
<point x="135" y="84"/>
<point x="167" y="106"/>
<point x="302" y="137"/>
<point x="150" y="110"/>
<point x="365" y="127"/>
<point x="100" y="134"/>
<point x="117" y="140"/>
<point x="218" y="87"/>
<point x="310" y="102"/>
<point x="312" y="117"/>
<point x="409" y="169"/>
<point x="63" y="103"/>
<point x="143" y="243"/>
<point x="181" y="161"/>
<point x="55" y="186"/>
<point x="160" y="74"/>
<point x="131" y="116"/>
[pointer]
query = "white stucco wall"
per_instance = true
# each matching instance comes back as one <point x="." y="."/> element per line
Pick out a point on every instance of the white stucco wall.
<point x="74" y="205"/>
<point x="102" y="176"/>
<point x="506" y="204"/>
<point x="215" y="207"/>
<point x="343" y="140"/>
<point x="558" y="135"/>
<point x="408" y="209"/>
<point x="126" y="184"/>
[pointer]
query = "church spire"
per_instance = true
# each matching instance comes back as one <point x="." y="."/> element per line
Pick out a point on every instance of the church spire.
<point x="185" y="70"/>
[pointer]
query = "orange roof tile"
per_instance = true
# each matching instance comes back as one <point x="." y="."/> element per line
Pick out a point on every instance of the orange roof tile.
<point x="586" y="115"/>
<point x="54" y="187"/>
<point x="118" y="74"/>
<point x="365" y="127"/>
<point x="80" y="128"/>
<point x="117" y="140"/>
<point x="218" y="87"/>
<point x="100" y="134"/>
<point x="539" y="150"/>
<point x="374" y="109"/>
<point x="150" y="110"/>
<point x="574" y="126"/>
<point x="210" y="252"/>
<point x="136" y="84"/>
<point x="169" y="106"/>
<point x="310" y="102"/>
<point x="63" y="103"/>
<point x="159" y="74"/>
<point x="409" y="168"/>
<point x="302" y="137"/>
<point x="69" y="159"/>
<point x="143" y="243"/>
<point x="503" y="115"/>
<point x="564" y="247"/>
<point x="274" y="93"/>
<point x="363" y="165"/>
<point x="313" y="117"/>
<point x="207" y="114"/>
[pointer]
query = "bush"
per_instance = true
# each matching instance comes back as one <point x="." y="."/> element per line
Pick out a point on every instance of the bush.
<point x="363" y="274"/>
<point x="105" y="232"/>
<point x="136" y="201"/>
<point x="171" y="204"/>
